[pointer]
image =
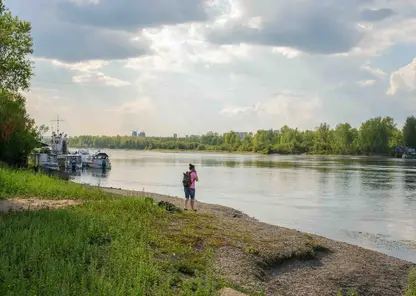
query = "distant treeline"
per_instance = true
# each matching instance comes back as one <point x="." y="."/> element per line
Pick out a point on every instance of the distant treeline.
<point x="375" y="136"/>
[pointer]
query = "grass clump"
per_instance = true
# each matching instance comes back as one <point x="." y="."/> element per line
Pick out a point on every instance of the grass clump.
<point x="251" y="250"/>
<point x="22" y="183"/>
<point x="349" y="292"/>
<point x="411" y="290"/>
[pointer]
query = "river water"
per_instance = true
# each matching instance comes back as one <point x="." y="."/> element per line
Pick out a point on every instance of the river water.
<point x="369" y="202"/>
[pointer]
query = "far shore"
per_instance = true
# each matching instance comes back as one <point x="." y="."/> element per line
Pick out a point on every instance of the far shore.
<point x="237" y="152"/>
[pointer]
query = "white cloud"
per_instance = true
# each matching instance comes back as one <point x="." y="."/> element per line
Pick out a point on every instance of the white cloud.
<point x="242" y="110"/>
<point x="255" y="23"/>
<point x="380" y="39"/>
<point x="177" y="47"/>
<point x="285" y="107"/>
<point x="134" y="107"/>
<point x="364" y="83"/>
<point x="375" y="71"/>
<point x="88" y="72"/>
<point x="84" y="2"/>
<point x="99" y="77"/>
<point x="80" y="66"/>
<point x="403" y="79"/>
<point x="288" y="52"/>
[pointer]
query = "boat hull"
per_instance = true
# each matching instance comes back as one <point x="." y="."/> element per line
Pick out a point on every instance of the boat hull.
<point x="99" y="165"/>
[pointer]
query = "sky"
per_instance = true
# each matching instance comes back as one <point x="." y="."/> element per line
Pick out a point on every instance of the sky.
<point x="109" y="67"/>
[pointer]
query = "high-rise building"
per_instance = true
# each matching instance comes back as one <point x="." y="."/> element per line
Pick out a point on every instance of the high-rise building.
<point x="134" y="133"/>
<point x="241" y="134"/>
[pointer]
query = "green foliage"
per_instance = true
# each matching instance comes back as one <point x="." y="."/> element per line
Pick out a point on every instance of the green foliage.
<point x="16" y="46"/>
<point x="376" y="136"/>
<point x="345" y="139"/>
<point x="27" y="184"/>
<point x="409" y="132"/>
<point x="18" y="134"/>
<point x="17" y="131"/>
<point x="411" y="290"/>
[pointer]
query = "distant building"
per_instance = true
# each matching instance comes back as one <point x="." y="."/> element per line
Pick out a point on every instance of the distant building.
<point x="142" y="135"/>
<point x="134" y="134"/>
<point x="243" y="134"/>
<point x="175" y="136"/>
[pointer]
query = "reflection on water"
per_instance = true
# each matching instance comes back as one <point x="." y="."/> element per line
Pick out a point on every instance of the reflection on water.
<point x="330" y="196"/>
<point x="410" y="180"/>
<point x="91" y="176"/>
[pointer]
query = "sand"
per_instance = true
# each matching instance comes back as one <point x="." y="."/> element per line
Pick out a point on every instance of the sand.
<point x="13" y="205"/>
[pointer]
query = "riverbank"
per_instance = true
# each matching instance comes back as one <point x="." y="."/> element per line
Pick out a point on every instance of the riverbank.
<point x="282" y="261"/>
<point x="122" y="241"/>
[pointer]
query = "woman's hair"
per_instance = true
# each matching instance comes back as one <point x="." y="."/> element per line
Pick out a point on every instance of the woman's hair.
<point x="191" y="167"/>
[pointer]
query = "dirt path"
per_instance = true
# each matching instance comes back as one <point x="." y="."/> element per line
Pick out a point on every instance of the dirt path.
<point x="13" y="205"/>
<point x="286" y="262"/>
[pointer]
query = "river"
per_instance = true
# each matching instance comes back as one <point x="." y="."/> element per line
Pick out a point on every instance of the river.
<point x="370" y="202"/>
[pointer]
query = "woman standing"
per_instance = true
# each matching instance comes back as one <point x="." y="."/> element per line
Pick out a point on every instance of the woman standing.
<point x="189" y="186"/>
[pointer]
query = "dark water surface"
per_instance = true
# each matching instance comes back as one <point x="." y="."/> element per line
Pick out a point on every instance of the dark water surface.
<point x="370" y="202"/>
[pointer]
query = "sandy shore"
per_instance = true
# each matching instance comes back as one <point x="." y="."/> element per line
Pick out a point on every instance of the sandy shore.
<point x="282" y="261"/>
<point x="14" y="205"/>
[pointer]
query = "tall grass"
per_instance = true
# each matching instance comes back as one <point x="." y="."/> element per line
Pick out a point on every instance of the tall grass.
<point x="111" y="247"/>
<point x="411" y="291"/>
<point x="107" y="246"/>
<point x="27" y="184"/>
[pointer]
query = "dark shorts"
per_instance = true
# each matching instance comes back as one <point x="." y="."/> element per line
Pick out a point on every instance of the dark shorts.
<point x="190" y="193"/>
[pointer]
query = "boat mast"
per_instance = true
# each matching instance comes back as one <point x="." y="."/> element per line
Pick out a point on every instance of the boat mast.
<point x="57" y="120"/>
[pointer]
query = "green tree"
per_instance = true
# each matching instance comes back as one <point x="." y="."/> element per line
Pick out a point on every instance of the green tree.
<point x="18" y="134"/>
<point x="376" y="134"/>
<point x="261" y="141"/>
<point x="409" y="132"/>
<point x="396" y="139"/>
<point x="345" y="139"/>
<point x="15" y="47"/>
<point x="323" y="139"/>
<point x="247" y="143"/>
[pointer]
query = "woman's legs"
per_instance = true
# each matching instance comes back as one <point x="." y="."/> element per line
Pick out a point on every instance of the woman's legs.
<point x="187" y="195"/>
<point x="192" y="195"/>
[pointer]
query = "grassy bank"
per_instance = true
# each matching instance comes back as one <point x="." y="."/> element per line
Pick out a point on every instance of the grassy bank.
<point x="28" y="185"/>
<point x="131" y="246"/>
<point x="101" y="248"/>
<point x="107" y="246"/>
